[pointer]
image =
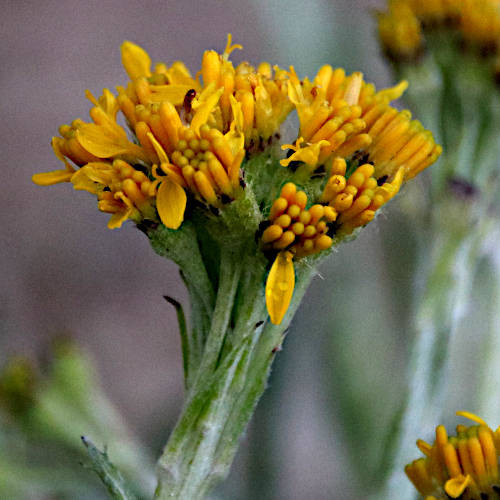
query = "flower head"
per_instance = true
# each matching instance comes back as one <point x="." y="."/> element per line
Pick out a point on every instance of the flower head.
<point x="406" y="26"/>
<point x="463" y="466"/>
<point x="210" y="144"/>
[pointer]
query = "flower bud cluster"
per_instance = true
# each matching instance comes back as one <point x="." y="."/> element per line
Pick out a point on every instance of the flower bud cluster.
<point x="209" y="143"/>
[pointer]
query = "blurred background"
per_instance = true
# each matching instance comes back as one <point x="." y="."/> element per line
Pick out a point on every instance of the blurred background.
<point x="320" y="430"/>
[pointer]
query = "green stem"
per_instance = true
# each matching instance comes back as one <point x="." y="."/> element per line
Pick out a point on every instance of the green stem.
<point x="441" y="308"/>
<point x="488" y="400"/>
<point x="222" y="400"/>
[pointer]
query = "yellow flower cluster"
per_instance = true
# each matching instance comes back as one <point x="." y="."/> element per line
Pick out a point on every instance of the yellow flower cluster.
<point x="188" y="135"/>
<point x="464" y="466"/>
<point x="364" y="149"/>
<point x="477" y="22"/>
<point x="192" y="137"/>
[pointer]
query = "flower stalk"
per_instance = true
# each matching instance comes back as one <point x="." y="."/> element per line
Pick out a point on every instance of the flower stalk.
<point x="230" y="380"/>
<point x="208" y="181"/>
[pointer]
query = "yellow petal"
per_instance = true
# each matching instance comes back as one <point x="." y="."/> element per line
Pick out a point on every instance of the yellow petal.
<point x="279" y="286"/>
<point x="472" y="417"/>
<point x="455" y="486"/>
<point x="171" y="93"/>
<point x="308" y="155"/>
<point x="171" y="203"/>
<point x="50" y="178"/>
<point x="394" y="92"/>
<point x="135" y="60"/>
<point x="351" y="95"/>
<point x="235" y="137"/>
<point x="104" y="141"/>
<point x="56" y="176"/>
<point x="204" y="110"/>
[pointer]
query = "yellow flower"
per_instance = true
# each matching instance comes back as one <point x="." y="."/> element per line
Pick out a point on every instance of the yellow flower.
<point x="403" y="27"/>
<point x="193" y="133"/>
<point x="464" y="466"/>
<point x="208" y="143"/>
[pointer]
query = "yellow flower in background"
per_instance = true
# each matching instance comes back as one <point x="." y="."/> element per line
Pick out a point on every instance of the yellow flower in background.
<point x="193" y="143"/>
<point x="464" y="466"/>
<point x="404" y="27"/>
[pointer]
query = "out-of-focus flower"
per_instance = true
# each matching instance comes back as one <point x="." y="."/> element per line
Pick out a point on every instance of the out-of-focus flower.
<point x="407" y="25"/>
<point x="463" y="466"/>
